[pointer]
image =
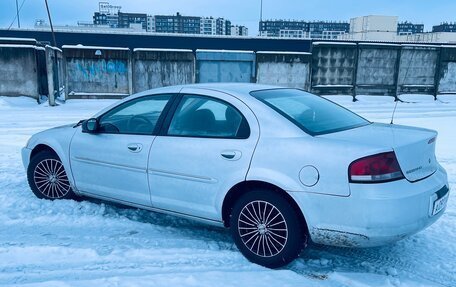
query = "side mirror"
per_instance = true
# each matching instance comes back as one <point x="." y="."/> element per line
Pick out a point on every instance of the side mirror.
<point x="90" y="126"/>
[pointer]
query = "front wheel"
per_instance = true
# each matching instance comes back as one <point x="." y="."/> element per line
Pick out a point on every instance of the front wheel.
<point x="47" y="177"/>
<point x="266" y="229"/>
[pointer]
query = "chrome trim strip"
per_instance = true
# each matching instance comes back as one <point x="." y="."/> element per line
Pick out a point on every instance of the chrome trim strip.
<point x="109" y="164"/>
<point x="181" y="176"/>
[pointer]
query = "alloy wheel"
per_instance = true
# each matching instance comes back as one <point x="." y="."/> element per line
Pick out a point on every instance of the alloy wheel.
<point x="51" y="179"/>
<point x="262" y="228"/>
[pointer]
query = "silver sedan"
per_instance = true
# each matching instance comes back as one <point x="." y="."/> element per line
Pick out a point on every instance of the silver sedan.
<point x="280" y="167"/>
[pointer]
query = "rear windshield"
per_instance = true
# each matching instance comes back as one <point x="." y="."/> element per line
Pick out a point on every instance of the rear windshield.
<point x="314" y="114"/>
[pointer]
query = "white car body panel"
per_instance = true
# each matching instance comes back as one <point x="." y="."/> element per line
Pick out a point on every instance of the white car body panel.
<point x="373" y="214"/>
<point x="188" y="177"/>
<point x="59" y="139"/>
<point x="102" y="164"/>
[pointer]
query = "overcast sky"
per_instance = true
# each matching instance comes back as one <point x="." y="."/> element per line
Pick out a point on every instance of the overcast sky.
<point x="243" y="12"/>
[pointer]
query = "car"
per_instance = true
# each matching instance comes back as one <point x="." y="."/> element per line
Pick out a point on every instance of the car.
<point x="280" y="167"/>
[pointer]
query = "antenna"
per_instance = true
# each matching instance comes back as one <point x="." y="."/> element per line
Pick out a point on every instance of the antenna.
<point x="394" y="111"/>
<point x="403" y="81"/>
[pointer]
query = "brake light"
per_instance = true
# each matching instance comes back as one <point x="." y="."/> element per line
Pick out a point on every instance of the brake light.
<point x="375" y="168"/>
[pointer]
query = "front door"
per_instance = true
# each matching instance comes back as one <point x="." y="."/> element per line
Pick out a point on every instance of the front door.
<point x="205" y="149"/>
<point x="112" y="162"/>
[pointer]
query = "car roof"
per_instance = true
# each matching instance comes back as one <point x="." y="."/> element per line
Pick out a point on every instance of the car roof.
<point x="240" y="89"/>
<point x="243" y="88"/>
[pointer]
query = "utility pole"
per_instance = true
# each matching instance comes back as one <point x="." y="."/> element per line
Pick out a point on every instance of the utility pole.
<point x="50" y="23"/>
<point x="261" y="10"/>
<point x="17" y="15"/>
<point x="55" y="88"/>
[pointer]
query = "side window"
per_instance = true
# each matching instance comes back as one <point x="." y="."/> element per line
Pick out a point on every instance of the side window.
<point x="139" y="116"/>
<point x="198" y="116"/>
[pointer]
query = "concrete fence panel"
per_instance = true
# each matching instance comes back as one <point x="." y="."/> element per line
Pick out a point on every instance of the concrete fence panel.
<point x="377" y="69"/>
<point x="153" y="68"/>
<point x="225" y="66"/>
<point x="418" y="69"/>
<point x="288" y="69"/>
<point x="333" y="67"/>
<point x="19" y="70"/>
<point x="447" y="75"/>
<point x="97" y="72"/>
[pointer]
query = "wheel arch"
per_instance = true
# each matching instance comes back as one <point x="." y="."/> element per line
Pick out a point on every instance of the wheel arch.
<point x="245" y="186"/>
<point x="42" y="147"/>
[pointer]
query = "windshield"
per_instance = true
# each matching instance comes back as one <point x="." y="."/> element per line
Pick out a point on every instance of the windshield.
<point x="314" y="114"/>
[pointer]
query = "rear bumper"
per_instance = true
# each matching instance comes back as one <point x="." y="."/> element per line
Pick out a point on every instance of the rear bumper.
<point x="374" y="214"/>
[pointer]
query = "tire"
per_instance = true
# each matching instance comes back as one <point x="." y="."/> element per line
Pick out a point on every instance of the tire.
<point x="47" y="177"/>
<point x="266" y="229"/>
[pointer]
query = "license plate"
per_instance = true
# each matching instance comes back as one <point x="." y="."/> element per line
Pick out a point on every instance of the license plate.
<point x="439" y="204"/>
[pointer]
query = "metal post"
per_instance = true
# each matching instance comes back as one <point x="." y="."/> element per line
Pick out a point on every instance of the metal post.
<point x="17" y="14"/>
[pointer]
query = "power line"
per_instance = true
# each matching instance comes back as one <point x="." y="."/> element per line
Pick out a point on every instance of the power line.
<point x="17" y="15"/>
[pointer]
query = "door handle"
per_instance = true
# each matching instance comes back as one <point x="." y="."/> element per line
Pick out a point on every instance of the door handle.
<point x="231" y="154"/>
<point x="134" y="147"/>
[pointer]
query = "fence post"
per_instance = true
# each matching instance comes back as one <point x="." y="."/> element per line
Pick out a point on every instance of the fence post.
<point x="50" y="75"/>
<point x="65" y="75"/>
<point x="396" y="73"/>
<point x="437" y="74"/>
<point x="355" y="72"/>
<point x="130" y="72"/>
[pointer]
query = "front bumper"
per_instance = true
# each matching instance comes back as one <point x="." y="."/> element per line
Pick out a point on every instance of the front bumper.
<point x="26" y="152"/>
<point x="374" y="214"/>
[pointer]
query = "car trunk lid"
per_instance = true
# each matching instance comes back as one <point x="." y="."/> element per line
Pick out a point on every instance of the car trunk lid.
<point x="415" y="151"/>
<point x="414" y="147"/>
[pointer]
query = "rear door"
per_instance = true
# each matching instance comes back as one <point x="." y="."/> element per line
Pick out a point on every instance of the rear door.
<point x="205" y="149"/>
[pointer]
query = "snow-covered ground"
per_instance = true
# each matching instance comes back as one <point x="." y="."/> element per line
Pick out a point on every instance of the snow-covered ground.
<point x="68" y="243"/>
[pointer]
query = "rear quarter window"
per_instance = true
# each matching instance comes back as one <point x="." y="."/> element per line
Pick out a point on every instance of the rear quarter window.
<point x="313" y="114"/>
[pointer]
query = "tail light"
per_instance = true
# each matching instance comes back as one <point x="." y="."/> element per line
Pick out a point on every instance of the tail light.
<point x="375" y="168"/>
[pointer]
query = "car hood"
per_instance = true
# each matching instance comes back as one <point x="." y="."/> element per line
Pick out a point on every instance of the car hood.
<point x="414" y="147"/>
<point x="52" y="133"/>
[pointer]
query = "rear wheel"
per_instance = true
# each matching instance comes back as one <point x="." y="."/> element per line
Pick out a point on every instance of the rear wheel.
<point x="47" y="177"/>
<point x="266" y="229"/>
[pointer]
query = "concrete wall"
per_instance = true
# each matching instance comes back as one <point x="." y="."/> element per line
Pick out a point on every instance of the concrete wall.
<point x="333" y="67"/>
<point x="225" y="66"/>
<point x="447" y="74"/>
<point x="153" y="68"/>
<point x="284" y="69"/>
<point x="417" y="70"/>
<point x="377" y="69"/>
<point x="19" y="70"/>
<point x="97" y="71"/>
<point x="382" y="69"/>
